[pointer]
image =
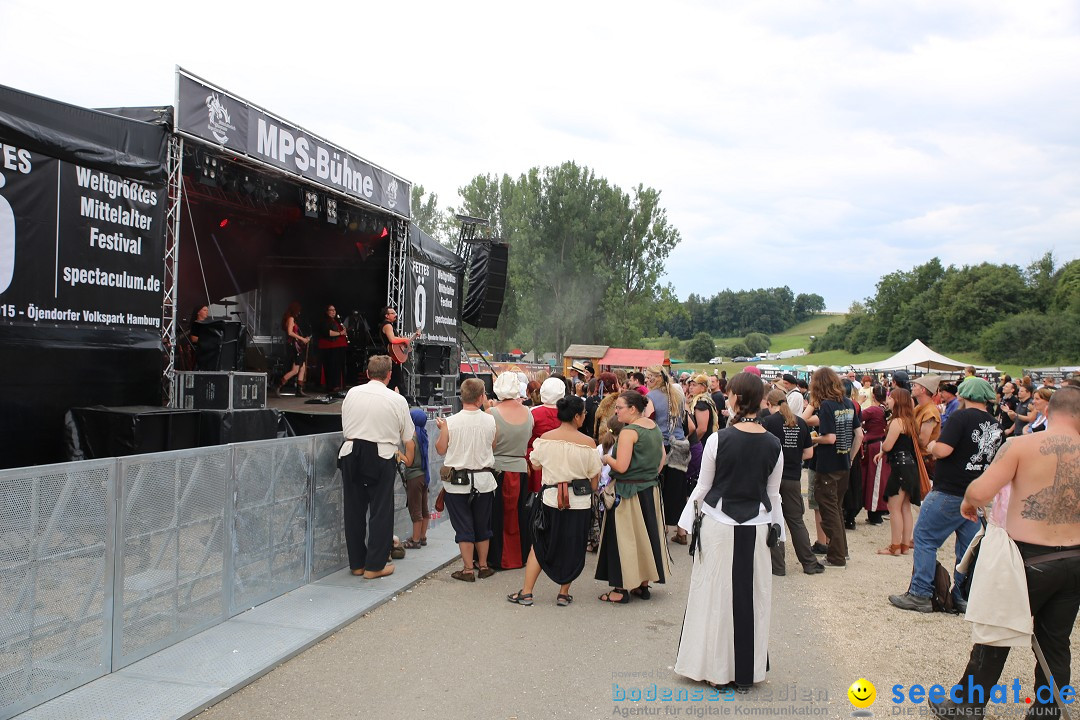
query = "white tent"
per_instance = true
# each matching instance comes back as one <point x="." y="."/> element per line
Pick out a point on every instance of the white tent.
<point x="915" y="356"/>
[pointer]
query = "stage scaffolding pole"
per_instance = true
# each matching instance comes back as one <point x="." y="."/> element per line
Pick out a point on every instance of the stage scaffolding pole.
<point x="172" y="253"/>
<point x="395" y="292"/>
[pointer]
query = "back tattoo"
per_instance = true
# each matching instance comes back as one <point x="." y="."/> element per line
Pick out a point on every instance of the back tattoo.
<point x="1058" y="504"/>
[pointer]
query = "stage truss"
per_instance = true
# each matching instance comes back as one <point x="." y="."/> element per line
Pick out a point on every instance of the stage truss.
<point x="172" y="253"/>
<point x="395" y="293"/>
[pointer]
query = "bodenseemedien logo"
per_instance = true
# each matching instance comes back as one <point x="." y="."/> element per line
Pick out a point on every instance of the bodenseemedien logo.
<point x="861" y="695"/>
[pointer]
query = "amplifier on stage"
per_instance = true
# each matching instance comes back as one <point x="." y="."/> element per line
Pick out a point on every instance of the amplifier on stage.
<point x="221" y="390"/>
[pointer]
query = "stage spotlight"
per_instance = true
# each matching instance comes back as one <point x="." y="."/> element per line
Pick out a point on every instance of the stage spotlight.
<point x="249" y="184"/>
<point x="224" y="223"/>
<point x="331" y="211"/>
<point x="209" y="169"/>
<point x="384" y="232"/>
<point x="269" y="194"/>
<point x="310" y="199"/>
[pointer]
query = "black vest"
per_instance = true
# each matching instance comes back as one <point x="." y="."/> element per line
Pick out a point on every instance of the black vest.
<point x="743" y="463"/>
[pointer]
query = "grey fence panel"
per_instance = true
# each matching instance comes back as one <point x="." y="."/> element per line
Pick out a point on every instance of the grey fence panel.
<point x="56" y="552"/>
<point x="328" y="551"/>
<point x="272" y="502"/>
<point x="172" y="538"/>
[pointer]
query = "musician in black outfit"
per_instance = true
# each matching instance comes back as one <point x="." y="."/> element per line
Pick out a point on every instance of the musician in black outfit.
<point x="296" y="348"/>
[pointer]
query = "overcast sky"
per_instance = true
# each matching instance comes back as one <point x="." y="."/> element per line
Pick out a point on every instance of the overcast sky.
<point x="817" y="145"/>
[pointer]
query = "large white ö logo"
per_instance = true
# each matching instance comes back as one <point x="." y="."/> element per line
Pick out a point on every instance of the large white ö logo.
<point x="7" y="241"/>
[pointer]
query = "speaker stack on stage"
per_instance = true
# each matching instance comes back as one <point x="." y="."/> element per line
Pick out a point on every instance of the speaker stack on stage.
<point x="487" y="284"/>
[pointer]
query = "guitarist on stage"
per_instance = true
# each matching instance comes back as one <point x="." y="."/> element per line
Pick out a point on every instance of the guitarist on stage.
<point x="389" y="339"/>
<point x="296" y="345"/>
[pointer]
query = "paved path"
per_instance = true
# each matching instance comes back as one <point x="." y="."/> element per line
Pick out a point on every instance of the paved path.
<point x="450" y="649"/>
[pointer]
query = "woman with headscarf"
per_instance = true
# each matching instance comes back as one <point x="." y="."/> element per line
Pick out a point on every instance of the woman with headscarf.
<point x="633" y="551"/>
<point x="571" y="474"/>
<point x="513" y="426"/>
<point x="417" y="480"/>
<point x="875" y="471"/>
<point x="545" y="417"/>
<point x="665" y="405"/>
<point x="725" y="633"/>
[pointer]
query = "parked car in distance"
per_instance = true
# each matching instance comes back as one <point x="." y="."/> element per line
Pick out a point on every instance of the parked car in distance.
<point x="740" y="359"/>
<point x="716" y="360"/>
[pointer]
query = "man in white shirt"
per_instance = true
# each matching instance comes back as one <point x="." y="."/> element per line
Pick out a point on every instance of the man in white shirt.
<point x="467" y="440"/>
<point x="790" y="385"/>
<point x="374" y="420"/>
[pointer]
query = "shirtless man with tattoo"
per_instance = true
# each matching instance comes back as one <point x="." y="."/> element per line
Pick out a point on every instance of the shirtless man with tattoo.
<point x="1043" y="520"/>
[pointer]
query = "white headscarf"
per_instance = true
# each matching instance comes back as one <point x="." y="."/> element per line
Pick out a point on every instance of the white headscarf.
<point x="506" y="386"/>
<point x="552" y="390"/>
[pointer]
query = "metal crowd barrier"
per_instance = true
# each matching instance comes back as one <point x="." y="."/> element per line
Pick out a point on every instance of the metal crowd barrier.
<point x="104" y="562"/>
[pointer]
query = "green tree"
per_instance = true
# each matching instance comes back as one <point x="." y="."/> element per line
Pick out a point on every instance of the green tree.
<point x="973" y="298"/>
<point x="585" y="257"/>
<point x="757" y="342"/>
<point x="427" y="216"/>
<point x="808" y="304"/>
<point x="1066" y="297"/>
<point x="701" y="348"/>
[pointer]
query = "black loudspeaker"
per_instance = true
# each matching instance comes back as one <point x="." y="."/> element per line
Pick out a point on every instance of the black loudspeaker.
<point x="433" y="359"/>
<point x="487" y="285"/>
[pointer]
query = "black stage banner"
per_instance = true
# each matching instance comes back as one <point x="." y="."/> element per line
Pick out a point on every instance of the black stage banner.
<point x="221" y="118"/>
<point x="79" y="247"/>
<point x="433" y="290"/>
<point x="432" y="302"/>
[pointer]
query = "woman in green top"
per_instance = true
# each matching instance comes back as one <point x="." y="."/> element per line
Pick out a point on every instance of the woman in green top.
<point x="633" y="544"/>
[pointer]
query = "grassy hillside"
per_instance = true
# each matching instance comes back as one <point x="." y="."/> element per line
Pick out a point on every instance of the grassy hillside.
<point x="799" y="337"/>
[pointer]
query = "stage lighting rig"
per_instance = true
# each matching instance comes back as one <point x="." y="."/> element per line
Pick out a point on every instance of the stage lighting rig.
<point x="208" y="169"/>
<point x="331" y="211"/>
<point x="310" y="200"/>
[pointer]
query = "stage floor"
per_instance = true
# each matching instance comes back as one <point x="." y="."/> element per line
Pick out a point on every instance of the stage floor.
<point x="299" y="404"/>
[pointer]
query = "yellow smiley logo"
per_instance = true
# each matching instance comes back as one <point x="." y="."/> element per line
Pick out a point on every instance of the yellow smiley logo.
<point x="862" y="693"/>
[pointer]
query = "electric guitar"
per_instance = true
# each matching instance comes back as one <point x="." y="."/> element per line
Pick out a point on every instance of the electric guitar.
<point x="400" y="351"/>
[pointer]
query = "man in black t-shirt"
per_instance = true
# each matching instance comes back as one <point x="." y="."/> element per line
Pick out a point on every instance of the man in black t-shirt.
<point x="965" y="448"/>
<point x="797" y="446"/>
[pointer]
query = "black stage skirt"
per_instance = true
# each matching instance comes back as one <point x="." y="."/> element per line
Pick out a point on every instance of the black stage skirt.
<point x="560" y="548"/>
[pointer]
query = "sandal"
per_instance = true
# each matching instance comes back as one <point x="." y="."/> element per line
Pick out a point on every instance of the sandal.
<point x="521" y="598"/>
<point x="606" y="597"/>
<point x="642" y="592"/>
<point x="904" y="547"/>
<point x="423" y="542"/>
<point x="895" y="550"/>
<point x="564" y="600"/>
<point x="679" y="538"/>
<point x="464" y="575"/>
<point x="411" y="544"/>
<point x="485" y="572"/>
<point x="592" y="547"/>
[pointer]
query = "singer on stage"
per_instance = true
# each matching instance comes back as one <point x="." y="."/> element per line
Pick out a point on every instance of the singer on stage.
<point x="332" y="342"/>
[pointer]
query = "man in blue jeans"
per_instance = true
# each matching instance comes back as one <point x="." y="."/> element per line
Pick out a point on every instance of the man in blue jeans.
<point x="965" y="448"/>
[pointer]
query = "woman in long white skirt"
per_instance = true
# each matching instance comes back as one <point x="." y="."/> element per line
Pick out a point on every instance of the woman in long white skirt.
<point x="725" y="634"/>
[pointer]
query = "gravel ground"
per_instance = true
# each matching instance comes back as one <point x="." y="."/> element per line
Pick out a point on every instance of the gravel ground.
<point x="459" y="650"/>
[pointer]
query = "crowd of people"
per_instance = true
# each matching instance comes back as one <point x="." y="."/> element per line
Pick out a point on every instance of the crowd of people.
<point x="625" y="464"/>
